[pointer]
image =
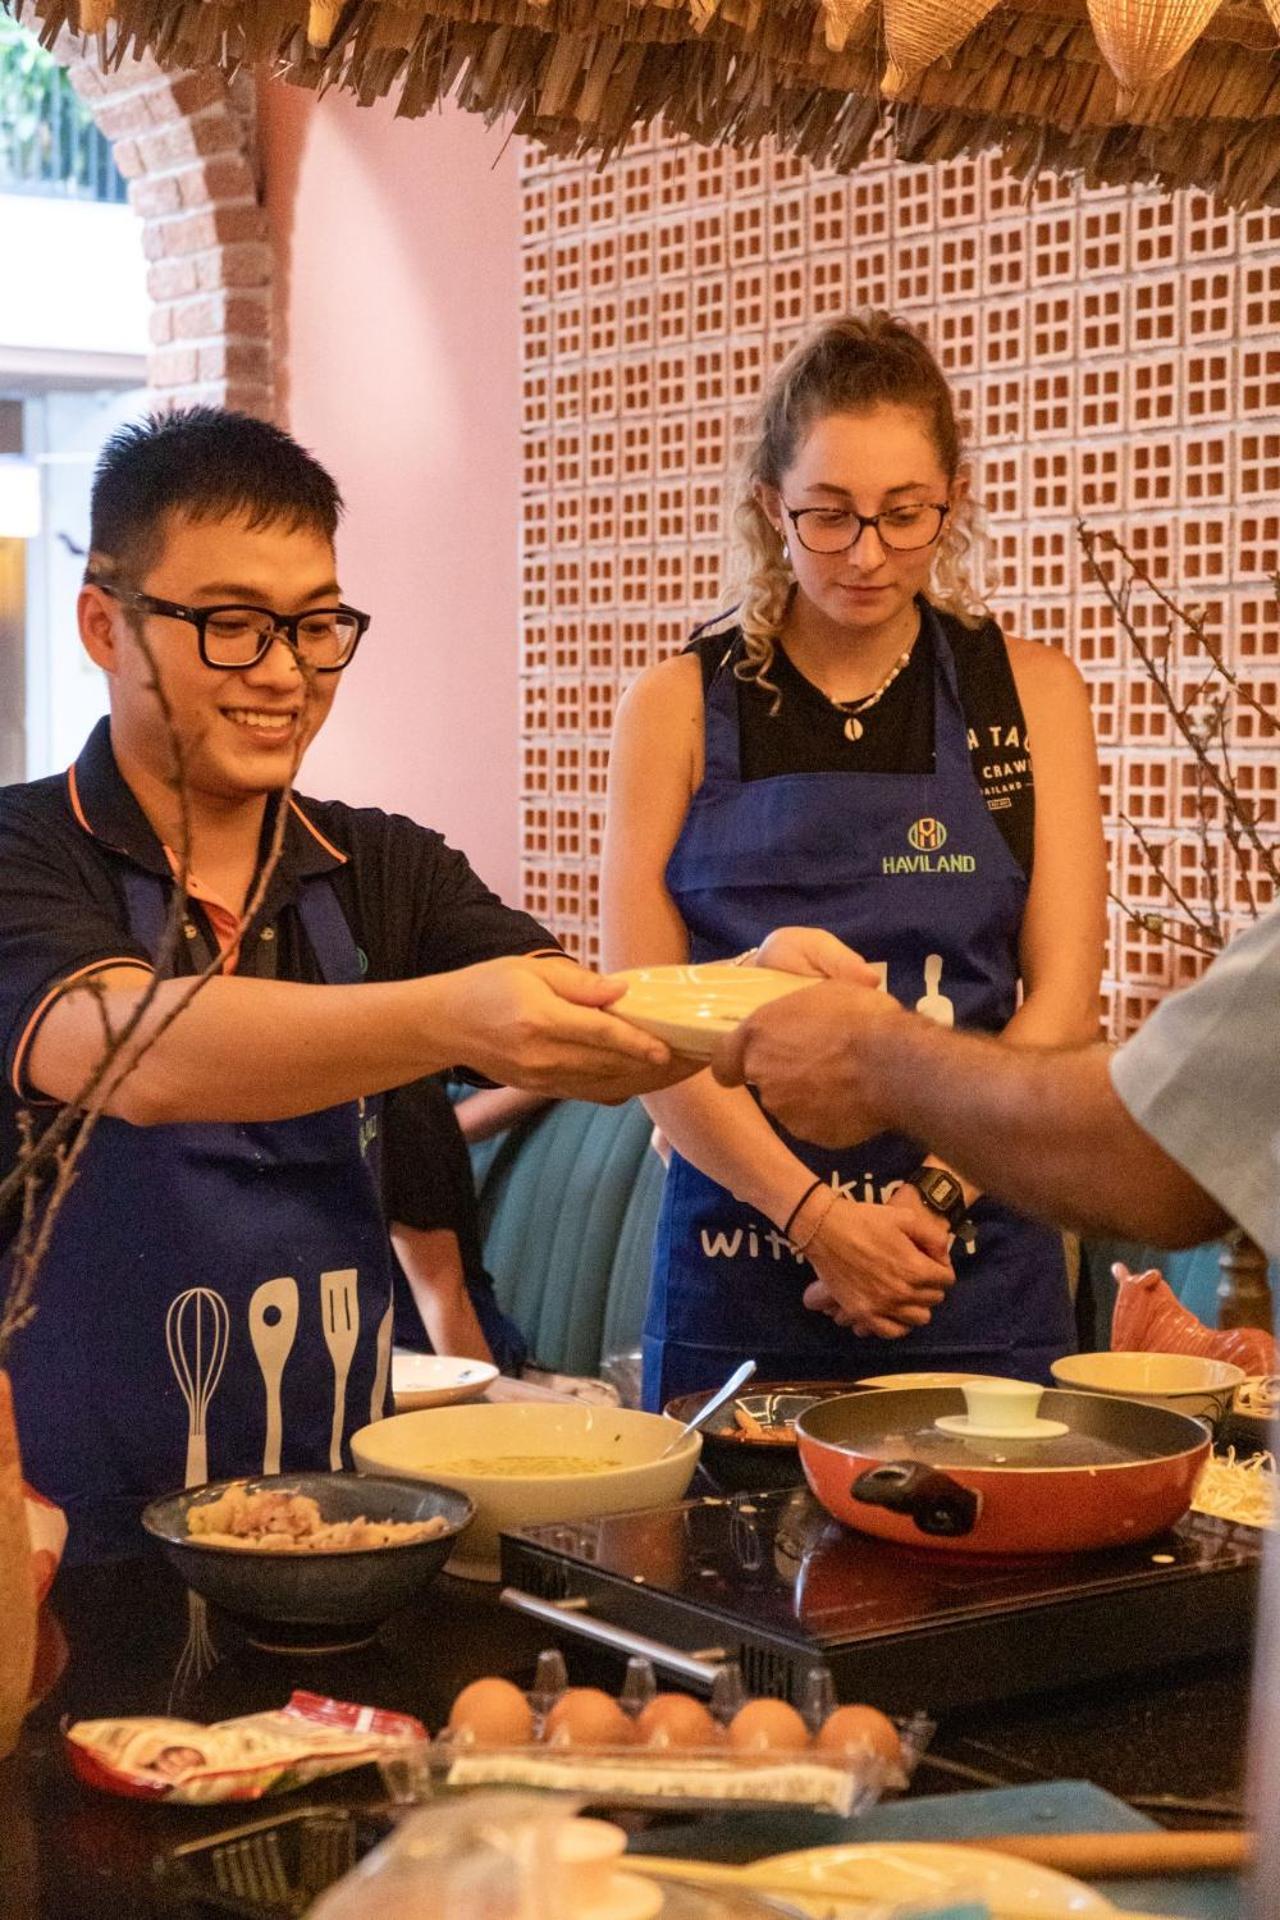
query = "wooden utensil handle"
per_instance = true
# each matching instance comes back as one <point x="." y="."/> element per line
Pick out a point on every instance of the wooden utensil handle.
<point x="1127" y="1855"/>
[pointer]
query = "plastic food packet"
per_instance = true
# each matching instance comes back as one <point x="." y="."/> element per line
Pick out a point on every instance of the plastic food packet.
<point x="159" y="1759"/>
<point x="1149" y="1318"/>
<point x="491" y="1856"/>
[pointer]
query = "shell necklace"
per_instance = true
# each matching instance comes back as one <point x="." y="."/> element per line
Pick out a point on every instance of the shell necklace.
<point x="853" y="727"/>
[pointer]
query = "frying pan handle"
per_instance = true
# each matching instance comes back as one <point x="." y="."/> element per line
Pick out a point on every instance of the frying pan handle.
<point x="934" y="1501"/>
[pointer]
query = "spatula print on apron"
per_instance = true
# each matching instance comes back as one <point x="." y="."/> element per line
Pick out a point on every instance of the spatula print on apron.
<point x="207" y="1210"/>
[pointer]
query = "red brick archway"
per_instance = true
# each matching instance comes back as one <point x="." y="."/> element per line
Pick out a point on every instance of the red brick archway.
<point x="185" y="144"/>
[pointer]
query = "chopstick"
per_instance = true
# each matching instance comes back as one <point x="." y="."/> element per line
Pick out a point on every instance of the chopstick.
<point x="831" y="1897"/>
<point x="1121" y="1856"/>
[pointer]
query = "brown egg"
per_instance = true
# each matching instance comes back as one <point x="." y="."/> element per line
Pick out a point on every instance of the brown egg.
<point x="768" y="1723"/>
<point x="859" y="1730"/>
<point x="676" y="1720"/>
<point x="494" y="1713"/>
<point x="586" y="1717"/>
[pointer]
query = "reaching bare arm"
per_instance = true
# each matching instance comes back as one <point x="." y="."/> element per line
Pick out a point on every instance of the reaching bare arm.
<point x="493" y="1109"/>
<point x="1043" y="1129"/>
<point x="432" y="1264"/>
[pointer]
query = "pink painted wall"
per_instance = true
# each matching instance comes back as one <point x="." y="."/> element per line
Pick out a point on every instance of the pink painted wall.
<point x="398" y="349"/>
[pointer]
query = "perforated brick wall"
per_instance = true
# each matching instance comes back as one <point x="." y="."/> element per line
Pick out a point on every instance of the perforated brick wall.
<point x="1116" y="352"/>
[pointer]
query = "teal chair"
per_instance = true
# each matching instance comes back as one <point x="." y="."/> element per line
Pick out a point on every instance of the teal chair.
<point x="568" y="1203"/>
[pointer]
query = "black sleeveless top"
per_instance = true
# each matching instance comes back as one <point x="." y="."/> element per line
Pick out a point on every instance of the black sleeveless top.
<point x="806" y="734"/>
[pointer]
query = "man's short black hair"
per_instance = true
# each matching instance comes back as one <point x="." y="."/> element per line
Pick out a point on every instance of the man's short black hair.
<point x="203" y="463"/>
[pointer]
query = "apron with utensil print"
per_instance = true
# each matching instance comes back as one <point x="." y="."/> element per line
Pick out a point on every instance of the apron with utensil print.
<point x="216" y="1299"/>
<point x="911" y="871"/>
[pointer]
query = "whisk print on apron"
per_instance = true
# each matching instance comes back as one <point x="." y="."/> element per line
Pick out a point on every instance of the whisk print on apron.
<point x="216" y="1298"/>
<point x="911" y="871"/>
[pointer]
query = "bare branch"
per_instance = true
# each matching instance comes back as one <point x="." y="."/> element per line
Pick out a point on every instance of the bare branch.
<point x="1196" y="737"/>
<point x="1155" y="860"/>
<point x="1163" y="927"/>
<point x="1202" y="719"/>
<point x="48" y="1163"/>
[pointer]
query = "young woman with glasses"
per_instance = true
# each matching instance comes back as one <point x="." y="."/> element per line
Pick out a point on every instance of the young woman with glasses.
<point x="857" y="747"/>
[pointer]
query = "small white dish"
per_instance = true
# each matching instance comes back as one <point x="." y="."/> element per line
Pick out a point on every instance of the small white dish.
<point x="968" y="1429"/>
<point x="1001" y="1410"/>
<point x="594" y="1887"/>
<point x="693" y="1007"/>
<point x="436" y="1379"/>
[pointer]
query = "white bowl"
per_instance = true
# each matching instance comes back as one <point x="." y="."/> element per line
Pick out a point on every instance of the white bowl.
<point x="1182" y="1382"/>
<point x="424" y="1446"/>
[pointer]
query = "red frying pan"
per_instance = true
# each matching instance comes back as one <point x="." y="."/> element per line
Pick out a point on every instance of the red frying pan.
<point x="1120" y="1473"/>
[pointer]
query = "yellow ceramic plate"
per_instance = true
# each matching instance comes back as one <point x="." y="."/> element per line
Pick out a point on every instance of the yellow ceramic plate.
<point x="830" y="1882"/>
<point x="691" y="1008"/>
<point x="922" y="1379"/>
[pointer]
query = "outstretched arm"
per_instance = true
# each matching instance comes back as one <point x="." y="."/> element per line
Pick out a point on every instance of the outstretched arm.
<point x="1044" y="1129"/>
<point x="250" y="1050"/>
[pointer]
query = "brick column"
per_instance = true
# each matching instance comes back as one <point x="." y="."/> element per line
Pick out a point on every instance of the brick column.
<point x="184" y="143"/>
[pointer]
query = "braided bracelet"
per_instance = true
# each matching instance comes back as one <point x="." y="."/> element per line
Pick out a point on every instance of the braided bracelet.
<point x="801" y="1245"/>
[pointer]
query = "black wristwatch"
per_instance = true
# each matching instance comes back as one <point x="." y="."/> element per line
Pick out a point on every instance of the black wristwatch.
<point x="943" y="1194"/>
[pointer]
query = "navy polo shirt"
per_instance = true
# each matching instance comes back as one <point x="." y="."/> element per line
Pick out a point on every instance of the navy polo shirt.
<point x="413" y="903"/>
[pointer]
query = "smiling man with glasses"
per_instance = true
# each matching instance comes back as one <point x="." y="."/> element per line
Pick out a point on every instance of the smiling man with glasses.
<point x="216" y="1297"/>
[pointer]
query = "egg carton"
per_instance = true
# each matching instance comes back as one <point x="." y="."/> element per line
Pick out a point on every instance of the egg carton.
<point x="663" y="1775"/>
<point x="272" y="1869"/>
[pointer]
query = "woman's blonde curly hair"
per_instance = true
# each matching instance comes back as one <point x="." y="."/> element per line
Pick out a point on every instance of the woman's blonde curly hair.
<point x="860" y="361"/>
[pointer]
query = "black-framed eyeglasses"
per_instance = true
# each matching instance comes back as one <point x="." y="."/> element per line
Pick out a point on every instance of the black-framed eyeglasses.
<point x="836" y="529"/>
<point x="323" y="640"/>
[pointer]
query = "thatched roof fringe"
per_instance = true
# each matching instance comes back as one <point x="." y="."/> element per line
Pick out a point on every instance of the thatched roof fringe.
<point x="581" y="74"/>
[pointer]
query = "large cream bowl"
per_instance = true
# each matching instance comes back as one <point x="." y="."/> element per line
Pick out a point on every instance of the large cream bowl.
<point x="425" y="1445"/>
<point x="1182" y="1382"/>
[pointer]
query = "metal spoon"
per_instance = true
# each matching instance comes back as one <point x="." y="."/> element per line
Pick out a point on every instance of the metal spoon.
<point x="738" y="1378"/>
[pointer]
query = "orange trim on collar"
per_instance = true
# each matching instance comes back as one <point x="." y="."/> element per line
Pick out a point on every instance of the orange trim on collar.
<point x="73" y="795"/>
<point x="55" y="992"/>
<point x="314" y="830"/>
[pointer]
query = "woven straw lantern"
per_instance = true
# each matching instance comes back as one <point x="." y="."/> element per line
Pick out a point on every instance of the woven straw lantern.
<point x="840" y="17"/>
<point x="322" y="20"/>
<point x="918" y="32"/>
<point x="1143" y="40"/>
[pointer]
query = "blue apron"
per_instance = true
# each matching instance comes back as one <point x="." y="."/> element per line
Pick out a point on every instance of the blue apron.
<point x="216" y="1297"/>
<point x="911" y="871"/>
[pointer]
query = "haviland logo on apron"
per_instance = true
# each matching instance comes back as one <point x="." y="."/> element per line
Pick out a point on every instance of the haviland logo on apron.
<point x="927" y="837"/>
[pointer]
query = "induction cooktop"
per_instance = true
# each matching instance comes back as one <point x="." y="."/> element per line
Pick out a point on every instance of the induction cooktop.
<point x="771" y="1581"/>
